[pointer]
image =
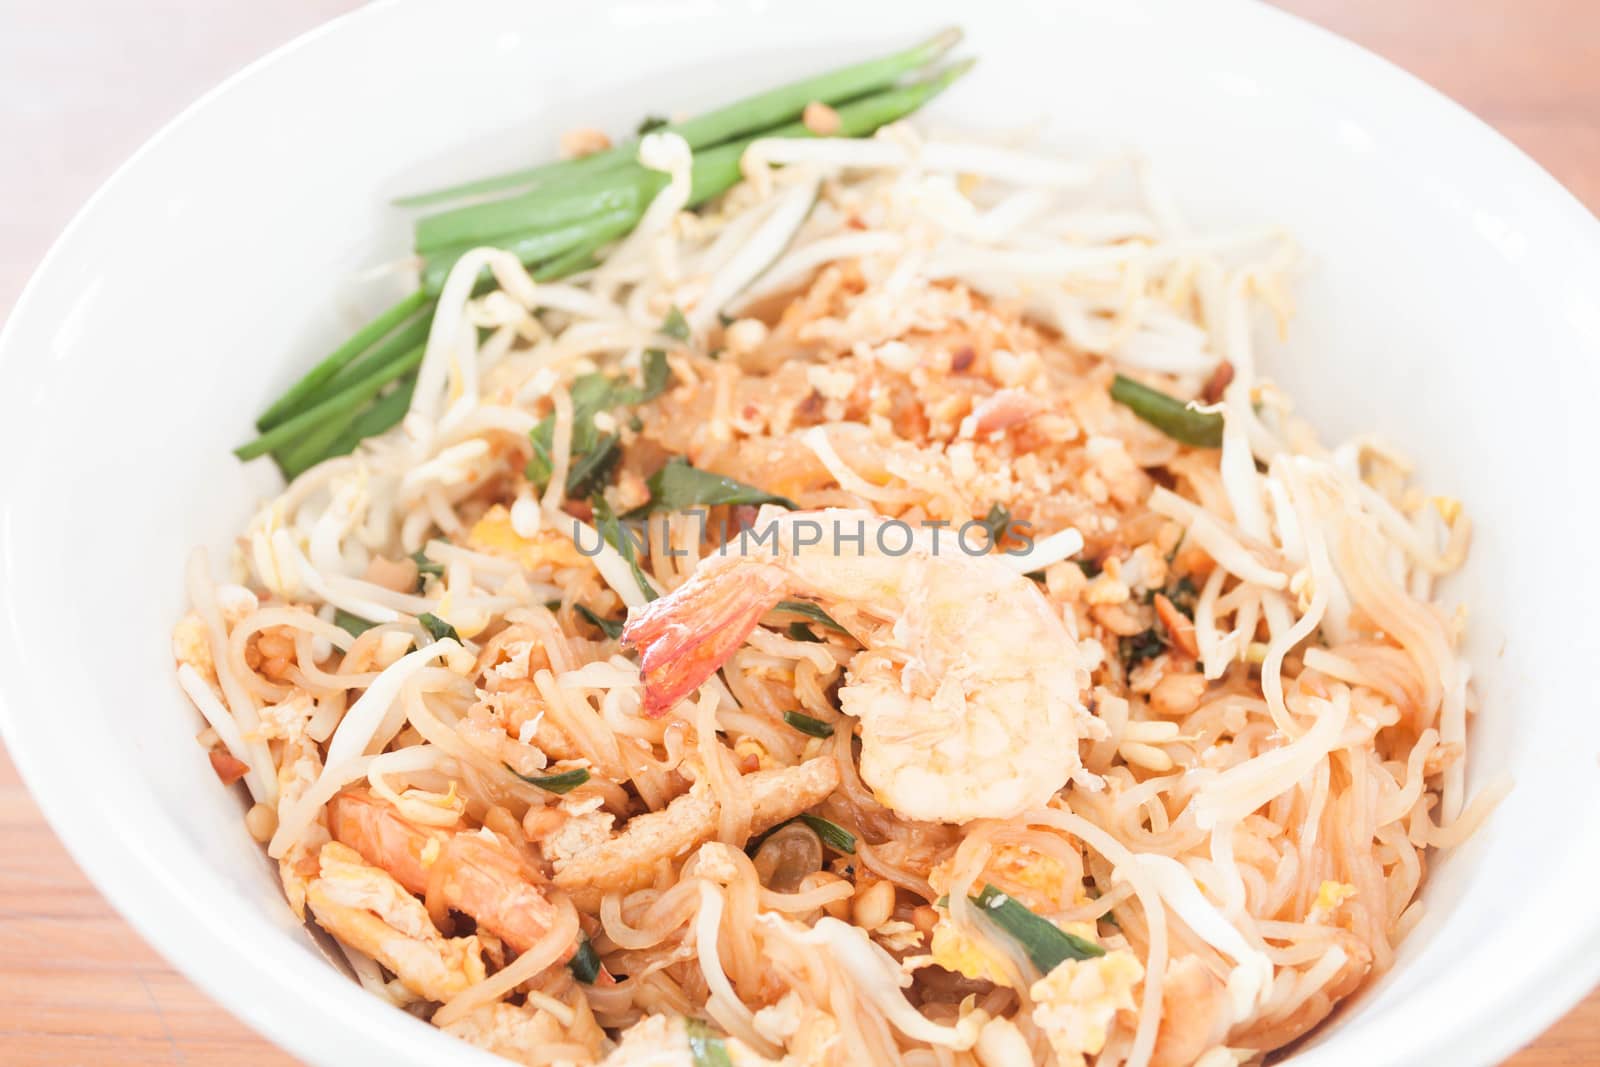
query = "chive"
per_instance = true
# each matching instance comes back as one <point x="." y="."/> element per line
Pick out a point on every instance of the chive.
<point x="650" y="124"/>
<point x="750" y="115"/>
<point x="565" y="782"/>
<point x="529" y="246"/>
<point x="807" y="725"/>
<point x="810" y="611"/>
<point x="675" y="325"/>
<point x="582" y="256"/>
<point x="585" y="962"/>
<point x="1046" y="944"/>
<point x="677" y="486"/>
<point x="798" y="631"/>
<point x="706" y="1047"/>
<point x="427" y="568"/>
<point x="997" y="522"/>
<point x="290" y="402"/>
<point x="481" y="224"/>
<point x="437" y="628"/>
<point x="354" y="625"/>
<point x="610" y="627"/>
<point x="1171" y="416"/>
<point x="340" y="439"/>
<point x="833" y="835"/>
<point x="340" y="409"/>
<point x="713" y="172"/>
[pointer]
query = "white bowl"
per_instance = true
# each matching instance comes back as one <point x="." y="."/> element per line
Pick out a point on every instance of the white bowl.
<point x="1453" y="306"/>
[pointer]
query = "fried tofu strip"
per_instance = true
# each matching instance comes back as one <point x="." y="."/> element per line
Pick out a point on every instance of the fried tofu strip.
<point x="628" y="861"/>
<point x="372" y="913"/>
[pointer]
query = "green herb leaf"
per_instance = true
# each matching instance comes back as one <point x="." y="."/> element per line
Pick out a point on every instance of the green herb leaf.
<point x="706" y="1047"/>
<point x="354" y="625"/>
<point x="565" y="782"/>
<point x="592" y="469"/>
<point x="1181" y="593"/>
<point x="810" y="611"/>
<point x="833" y="835"/>
<point x="675" y="325"/>
<point x="437" y="628"/>
<point x="593" y="455"/>
<point x="1046" y="944"/>
<point x="610" y="627"/>
<point x="997" y="522"/>
<point x="617" y="536"/>
<point x="426" y="568"/>
<point x="1141" y="646"/>
<point x="585" y="962"/>
<point x="678" y="486"/>
<point x="807" y="725"/>
<point x="1171" y="416"/>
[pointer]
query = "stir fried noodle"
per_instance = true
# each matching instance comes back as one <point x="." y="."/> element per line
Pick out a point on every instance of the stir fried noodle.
<point x="777" y="643"/>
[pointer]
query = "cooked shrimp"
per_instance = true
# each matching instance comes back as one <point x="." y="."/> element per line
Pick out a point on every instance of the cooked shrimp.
<point x="473" y="872"/>
<point x="967" y="687"/>
<point x="370" y="911"/>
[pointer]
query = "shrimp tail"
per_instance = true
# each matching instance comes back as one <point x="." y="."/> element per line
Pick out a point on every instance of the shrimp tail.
<point x="684" y="637"/>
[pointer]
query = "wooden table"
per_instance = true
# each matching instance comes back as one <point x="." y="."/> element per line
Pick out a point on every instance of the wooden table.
<point x="82" y="83"/>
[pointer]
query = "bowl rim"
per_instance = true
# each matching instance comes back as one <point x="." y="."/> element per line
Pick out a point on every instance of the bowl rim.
<point x="262" y="992"/>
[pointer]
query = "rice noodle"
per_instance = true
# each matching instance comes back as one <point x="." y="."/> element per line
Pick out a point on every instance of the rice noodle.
<point x="1275" y="720"/>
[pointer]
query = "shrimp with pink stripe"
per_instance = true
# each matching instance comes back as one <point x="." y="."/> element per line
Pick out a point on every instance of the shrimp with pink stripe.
<point x="968" y="686"/>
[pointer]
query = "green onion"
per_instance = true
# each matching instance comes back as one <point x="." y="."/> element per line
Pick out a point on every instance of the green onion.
<point x="1046" y="944"/>
<point x="706" y="1047"/>
<point x="807" y="725"/>
<point x="610" y="627"/>
<point x="810" y="611"/>
<point x="437" y="628"/>
<point x="833" y="835"/>
<point x="677" y="486"/>
<point x="585" y="962"/>
<point x="1171" y="416"/>
<point x="354" y="625"/>
<point x="293" y="401"/>
<point x="751" y="115"/>
<point x="565" y="782"/>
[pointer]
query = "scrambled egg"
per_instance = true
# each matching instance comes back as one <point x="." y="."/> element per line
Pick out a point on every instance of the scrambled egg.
<point x="1075" y="1003"/>
<point x="955" y="951"/>
<point x="663" y="1041"/>
<point x="1330" y="895"/>
<point x="1039" y="882"/>
<point x="549" y="548"/>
